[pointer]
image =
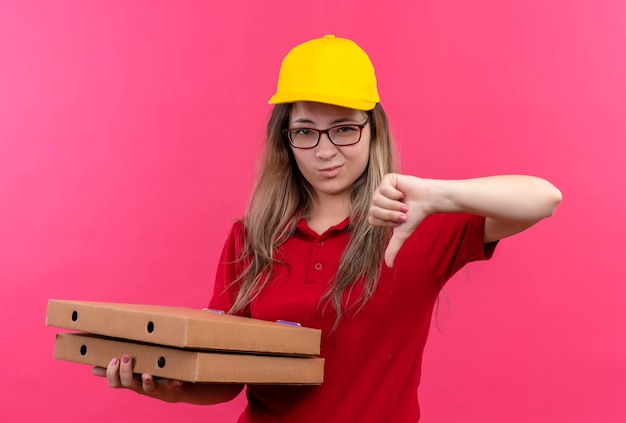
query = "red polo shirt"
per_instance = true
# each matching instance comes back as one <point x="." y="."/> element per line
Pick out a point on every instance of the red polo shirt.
<point x="373" y="359"/>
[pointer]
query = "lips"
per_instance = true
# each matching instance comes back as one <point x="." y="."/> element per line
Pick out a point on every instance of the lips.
<point x="330" y="172"/>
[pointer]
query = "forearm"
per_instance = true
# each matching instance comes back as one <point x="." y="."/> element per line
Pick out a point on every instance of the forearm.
<point x="209" y="393"/>
<point x="510" y="204"/>
<point x="508" y="198"/>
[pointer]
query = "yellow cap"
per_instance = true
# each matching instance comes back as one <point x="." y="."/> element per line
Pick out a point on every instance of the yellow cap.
<point x="328" y="70"/>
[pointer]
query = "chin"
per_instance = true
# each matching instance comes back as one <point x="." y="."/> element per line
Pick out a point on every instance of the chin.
<point x="333" y="191"/>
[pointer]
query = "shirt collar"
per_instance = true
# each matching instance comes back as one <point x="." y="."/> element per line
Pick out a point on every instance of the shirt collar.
<point x="304" y="229"/>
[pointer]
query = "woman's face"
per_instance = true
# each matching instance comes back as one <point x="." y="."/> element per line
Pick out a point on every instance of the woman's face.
<point x="330" y="169"/>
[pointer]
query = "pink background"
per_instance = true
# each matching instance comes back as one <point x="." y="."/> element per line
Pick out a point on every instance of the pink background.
<point x="128" y="137"/>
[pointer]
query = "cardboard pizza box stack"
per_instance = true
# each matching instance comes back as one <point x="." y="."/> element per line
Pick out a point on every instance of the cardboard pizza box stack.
<point x="187" y="344"/>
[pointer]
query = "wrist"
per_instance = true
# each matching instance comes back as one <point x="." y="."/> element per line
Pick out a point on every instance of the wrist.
<point x="440" y="194"/>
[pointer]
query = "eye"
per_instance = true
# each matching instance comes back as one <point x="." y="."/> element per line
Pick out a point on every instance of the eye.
<point x="345" y="132"/>
<point x="302" y="132"/>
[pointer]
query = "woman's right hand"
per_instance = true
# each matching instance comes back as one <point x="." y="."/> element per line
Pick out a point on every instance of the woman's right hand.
<point x="119" y="374"/>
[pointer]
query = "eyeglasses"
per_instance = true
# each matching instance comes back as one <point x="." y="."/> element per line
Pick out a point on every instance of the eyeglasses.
<point x="340" y="135"/>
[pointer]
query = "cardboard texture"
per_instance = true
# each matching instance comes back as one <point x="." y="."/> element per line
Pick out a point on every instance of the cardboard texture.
<point x="190" y="365"/>
<point x="183" y="327"/>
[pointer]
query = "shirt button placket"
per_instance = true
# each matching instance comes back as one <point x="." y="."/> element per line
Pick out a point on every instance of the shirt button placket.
<point x="318" y="266"/>
<point x="317" y="269"/>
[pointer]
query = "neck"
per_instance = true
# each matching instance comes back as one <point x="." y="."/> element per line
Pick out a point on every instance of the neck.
<point x="328" y="211"/>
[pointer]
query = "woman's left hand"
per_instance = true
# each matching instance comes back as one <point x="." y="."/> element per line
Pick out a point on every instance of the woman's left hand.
<point x="401" y="202"/>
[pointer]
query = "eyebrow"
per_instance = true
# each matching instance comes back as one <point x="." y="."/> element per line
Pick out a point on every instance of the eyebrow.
<point x="334" y="122"/>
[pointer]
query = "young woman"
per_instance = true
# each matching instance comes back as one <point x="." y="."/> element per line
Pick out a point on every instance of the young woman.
<point x="335" y="239"/>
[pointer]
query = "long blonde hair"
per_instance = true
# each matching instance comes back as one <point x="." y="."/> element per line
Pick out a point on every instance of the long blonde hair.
<point x="282" y="196"/>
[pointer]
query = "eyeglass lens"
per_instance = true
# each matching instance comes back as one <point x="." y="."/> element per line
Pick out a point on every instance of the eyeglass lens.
<point x="339" y="135"/>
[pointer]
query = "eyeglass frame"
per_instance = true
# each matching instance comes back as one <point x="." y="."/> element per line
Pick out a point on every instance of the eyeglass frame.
<point x="326" y="131"/>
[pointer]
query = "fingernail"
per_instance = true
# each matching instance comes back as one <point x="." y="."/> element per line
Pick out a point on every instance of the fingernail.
<point x="114" y="362"/>
<point x="126" y="359"/>
<point x="404" y="209"/>
<point x="402" y="218"/>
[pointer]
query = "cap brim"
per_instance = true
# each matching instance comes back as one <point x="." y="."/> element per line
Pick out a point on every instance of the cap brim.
<point x="350" y="103"/>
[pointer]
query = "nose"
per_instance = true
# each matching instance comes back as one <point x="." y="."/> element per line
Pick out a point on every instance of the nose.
<point x="325" y="148"/>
